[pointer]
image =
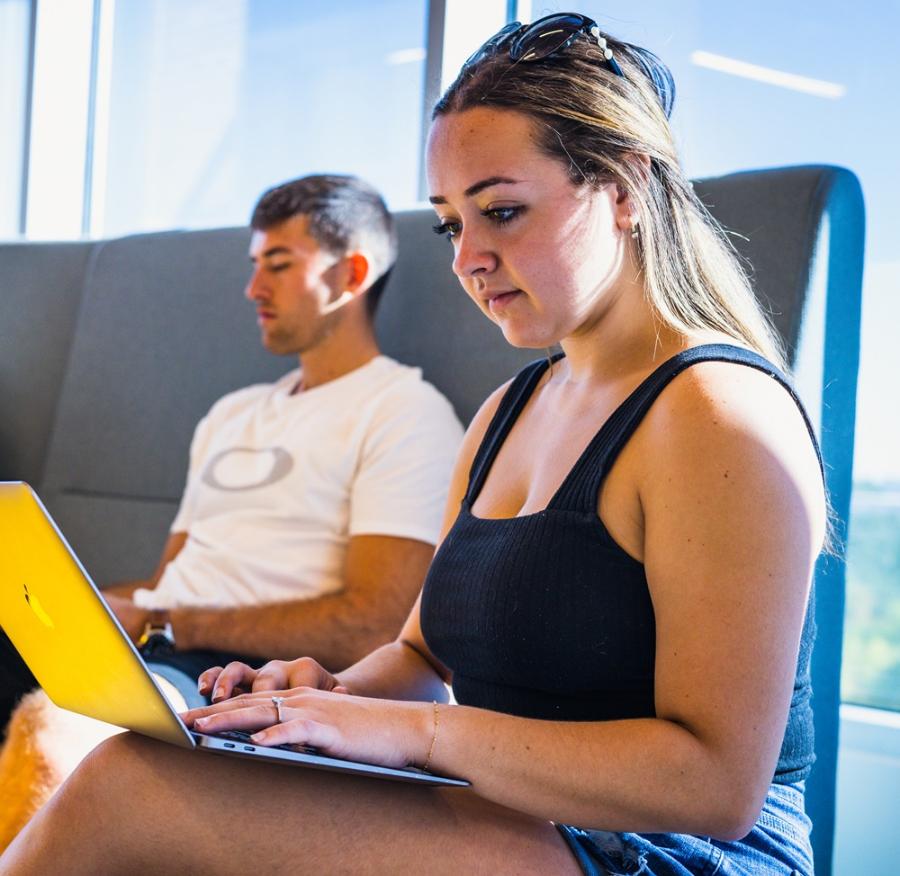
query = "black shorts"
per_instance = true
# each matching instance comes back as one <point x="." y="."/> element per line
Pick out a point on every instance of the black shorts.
<point x="183" y="668"/>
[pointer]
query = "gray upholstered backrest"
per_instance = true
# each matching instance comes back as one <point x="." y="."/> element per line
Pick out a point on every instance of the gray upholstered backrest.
<point x="40" y="291"/>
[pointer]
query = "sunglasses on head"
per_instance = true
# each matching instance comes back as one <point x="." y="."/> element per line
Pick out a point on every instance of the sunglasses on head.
<point x="543" y="38"/>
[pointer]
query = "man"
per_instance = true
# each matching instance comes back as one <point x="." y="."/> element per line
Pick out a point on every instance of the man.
<point x="312" y="504"/>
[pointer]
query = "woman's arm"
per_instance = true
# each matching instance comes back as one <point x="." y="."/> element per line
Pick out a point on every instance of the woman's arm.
<point x="401" y="670"/>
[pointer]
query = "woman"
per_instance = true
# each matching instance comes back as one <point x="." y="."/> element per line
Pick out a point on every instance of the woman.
<point x="620" y="592"/>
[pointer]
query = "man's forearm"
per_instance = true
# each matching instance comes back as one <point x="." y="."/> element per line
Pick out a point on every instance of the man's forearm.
<point x="126" y="589"/>
<point x="336" y="630"/>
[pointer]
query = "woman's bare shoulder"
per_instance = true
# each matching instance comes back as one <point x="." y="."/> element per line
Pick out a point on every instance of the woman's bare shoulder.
<point x="723" y="429"/>
<point x="741" y="401"/>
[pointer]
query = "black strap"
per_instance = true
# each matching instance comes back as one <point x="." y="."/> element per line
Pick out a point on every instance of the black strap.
<point x="514" y="399"/>
<point x="581" y="487"/>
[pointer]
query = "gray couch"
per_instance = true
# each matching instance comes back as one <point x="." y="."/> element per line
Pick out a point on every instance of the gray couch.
<point x="111" y="351"/>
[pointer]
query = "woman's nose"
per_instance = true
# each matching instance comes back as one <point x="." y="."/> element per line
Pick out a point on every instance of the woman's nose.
<point x="472" y="256"/>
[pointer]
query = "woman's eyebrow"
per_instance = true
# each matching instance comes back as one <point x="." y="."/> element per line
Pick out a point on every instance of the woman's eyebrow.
<point x="475" y="188"/>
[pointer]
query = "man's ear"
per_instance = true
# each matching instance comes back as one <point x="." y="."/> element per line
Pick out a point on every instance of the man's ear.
<point x="359" y="267"/>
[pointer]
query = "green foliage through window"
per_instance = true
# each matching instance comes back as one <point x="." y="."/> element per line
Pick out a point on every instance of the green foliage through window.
<point x="871" y="664"/>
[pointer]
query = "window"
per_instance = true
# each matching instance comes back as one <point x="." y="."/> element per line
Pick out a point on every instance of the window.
<point x="15" y="50"/>
<point x="160" y="114"/>
<point x="212" y="101"/>
<point x="834" y="106"/>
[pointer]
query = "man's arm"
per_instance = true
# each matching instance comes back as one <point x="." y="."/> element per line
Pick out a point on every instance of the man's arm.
<point x="172" y="548"/>
<point x="383" y="576"/>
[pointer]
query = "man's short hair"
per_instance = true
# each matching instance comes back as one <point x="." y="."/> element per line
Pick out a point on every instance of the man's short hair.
<point x="345" y="213"/>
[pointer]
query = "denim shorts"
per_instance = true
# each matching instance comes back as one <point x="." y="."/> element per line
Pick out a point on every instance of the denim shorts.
<point x="778" y="844"/>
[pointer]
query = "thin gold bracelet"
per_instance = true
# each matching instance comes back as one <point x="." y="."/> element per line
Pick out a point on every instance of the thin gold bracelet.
<point x="433" y="736"/>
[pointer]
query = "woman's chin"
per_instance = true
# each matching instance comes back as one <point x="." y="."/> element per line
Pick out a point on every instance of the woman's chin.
<point x="527" y="338"/>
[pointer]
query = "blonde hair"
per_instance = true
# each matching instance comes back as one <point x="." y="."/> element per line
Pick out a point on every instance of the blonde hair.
<point x="598" y="124"/>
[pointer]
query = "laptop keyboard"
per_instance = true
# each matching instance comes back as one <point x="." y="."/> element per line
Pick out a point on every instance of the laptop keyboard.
<point x="241" y="736"/>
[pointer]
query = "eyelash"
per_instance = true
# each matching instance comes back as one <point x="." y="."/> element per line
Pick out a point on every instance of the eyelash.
<point x="450" y="229"/>
<point x="498" y="215"/>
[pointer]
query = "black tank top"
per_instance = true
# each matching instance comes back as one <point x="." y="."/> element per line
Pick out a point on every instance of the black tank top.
<point x="544" y="615"/>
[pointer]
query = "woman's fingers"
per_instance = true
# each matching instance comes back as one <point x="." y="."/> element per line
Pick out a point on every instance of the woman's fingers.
<point x="220" y="684"/>
<point x="252" y="702"/>
<point x="228" y="680"/>
<point x="249" y="717"/>
<point x="307" y="672"/>
<point x="259" y="716"/>
<point x="207" y="680"/>
<point x="300" y="731"/>
<point x="273" y="676"/>
<point x="233" y="704"/>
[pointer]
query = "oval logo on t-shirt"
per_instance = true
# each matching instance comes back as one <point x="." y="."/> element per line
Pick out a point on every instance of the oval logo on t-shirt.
<point x="247" y="468"/>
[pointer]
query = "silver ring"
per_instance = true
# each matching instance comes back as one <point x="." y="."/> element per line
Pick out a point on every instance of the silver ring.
<point x="277" y="701"/>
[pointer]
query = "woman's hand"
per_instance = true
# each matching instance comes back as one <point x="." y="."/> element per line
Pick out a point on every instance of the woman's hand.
<point x="237" y="678"/>
<point x="387" y="732"/>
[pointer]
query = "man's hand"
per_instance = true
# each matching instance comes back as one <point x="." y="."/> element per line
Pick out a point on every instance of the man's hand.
<point x="132" y="618"/>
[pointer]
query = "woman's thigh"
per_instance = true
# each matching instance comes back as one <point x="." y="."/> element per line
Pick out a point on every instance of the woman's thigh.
<point x="165" y="809"/>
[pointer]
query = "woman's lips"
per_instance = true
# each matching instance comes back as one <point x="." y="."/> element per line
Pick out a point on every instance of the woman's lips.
<point x="499" y="302"/>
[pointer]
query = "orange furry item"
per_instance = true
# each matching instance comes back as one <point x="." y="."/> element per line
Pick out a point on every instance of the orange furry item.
<point x="43" y="745"/>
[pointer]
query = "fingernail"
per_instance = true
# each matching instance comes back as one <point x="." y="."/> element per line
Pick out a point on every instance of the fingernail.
<point x="200" y="722"/>
<point x="201" y="686"/>
<point x="218" y="693"/>
<point x="259" y="737"/>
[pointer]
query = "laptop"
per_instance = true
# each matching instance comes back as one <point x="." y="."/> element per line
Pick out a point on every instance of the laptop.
<point x="56" y="618"/>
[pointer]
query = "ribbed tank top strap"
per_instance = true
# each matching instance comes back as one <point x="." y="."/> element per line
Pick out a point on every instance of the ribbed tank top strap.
<point x="514" y="399"/>
<point x="580" y="489"/>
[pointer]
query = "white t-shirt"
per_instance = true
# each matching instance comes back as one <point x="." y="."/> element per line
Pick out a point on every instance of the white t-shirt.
<point x="278" y="483"/>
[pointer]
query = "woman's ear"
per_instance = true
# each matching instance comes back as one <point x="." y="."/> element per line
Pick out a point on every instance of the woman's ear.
<point x="626" y="209"/>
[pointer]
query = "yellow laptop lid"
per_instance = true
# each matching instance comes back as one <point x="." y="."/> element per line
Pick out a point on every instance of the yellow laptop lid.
<point x="63" y="629"/>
